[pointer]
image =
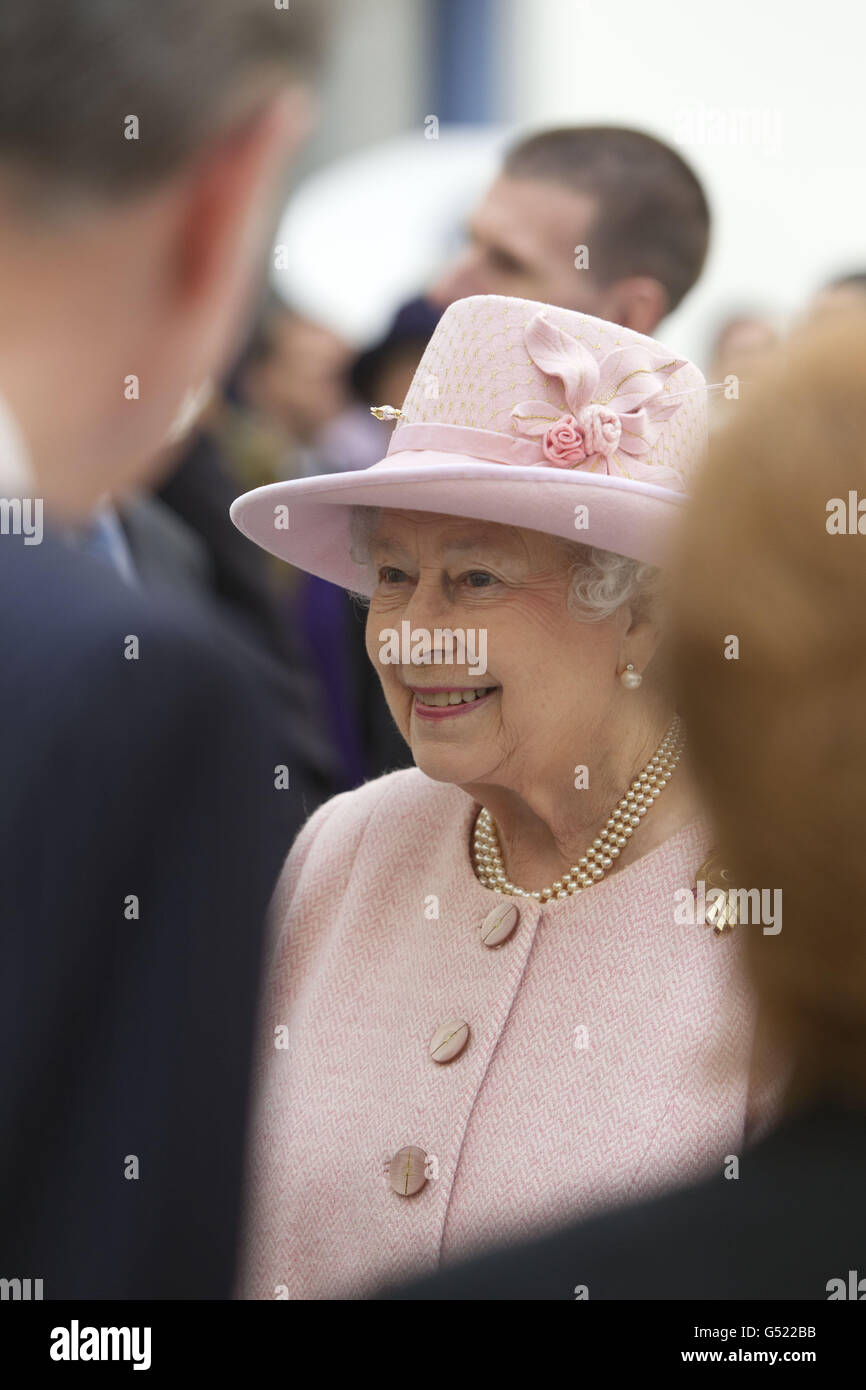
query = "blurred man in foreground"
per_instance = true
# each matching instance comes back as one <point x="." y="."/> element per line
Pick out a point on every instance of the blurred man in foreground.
<point x="143" y="819"/>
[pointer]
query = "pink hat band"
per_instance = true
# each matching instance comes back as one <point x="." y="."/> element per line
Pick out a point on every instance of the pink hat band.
<point x="463" y="439"/>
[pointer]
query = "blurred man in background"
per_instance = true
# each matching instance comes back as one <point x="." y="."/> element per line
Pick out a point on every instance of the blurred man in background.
<point x="295" y="372"/>
<point x="843" y="292"/>
<point x="602" y="219"/>
<point x="742" y="344"/>
<point x="150" y="787"/>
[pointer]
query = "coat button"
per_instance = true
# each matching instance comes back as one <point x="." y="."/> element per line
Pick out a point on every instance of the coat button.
<point x="499" y="924"/>
<point x="407" y="1175"/>
<point x="449" y="1040"/>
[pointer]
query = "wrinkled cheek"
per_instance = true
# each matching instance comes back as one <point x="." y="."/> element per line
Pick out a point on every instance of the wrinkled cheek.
<point x="508" y="733"/>
<point x="518" y="725"/>
<point x="374" y="636"/>
<point x="397" y="697"/>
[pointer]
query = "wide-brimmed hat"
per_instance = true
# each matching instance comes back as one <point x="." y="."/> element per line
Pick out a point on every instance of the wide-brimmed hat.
<point x="519" y="413"/>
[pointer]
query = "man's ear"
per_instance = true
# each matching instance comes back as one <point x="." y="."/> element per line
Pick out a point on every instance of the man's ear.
<point x="228" y="195"/>
<point x="638" y="302"/>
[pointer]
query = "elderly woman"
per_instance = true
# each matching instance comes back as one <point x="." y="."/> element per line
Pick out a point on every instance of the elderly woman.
<point x="789" y="716"/>
<point x="485" y="1013"/>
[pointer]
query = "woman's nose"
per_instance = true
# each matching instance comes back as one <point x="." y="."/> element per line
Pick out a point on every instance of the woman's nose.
<point x="429" y="602"/>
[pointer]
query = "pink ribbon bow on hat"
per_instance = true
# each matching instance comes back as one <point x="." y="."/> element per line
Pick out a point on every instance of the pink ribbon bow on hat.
<point x="617" y="405"/>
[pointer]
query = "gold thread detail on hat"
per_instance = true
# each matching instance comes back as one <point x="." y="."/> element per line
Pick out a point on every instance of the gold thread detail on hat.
<point x="386" y="412"/>
<point x="552" y="418"/>
<point x="638" y="371"/>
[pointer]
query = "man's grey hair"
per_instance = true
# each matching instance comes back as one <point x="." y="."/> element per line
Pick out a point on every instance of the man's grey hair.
<point x="74" y="71"/>
<point x="601" y="580"/>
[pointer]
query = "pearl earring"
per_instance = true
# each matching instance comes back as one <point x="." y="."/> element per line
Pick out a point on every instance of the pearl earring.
<point x="631" y="678"/>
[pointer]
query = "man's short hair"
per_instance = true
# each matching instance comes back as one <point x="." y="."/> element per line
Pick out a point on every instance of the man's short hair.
<point x="851" y="280"/>
<point x="652" y="218"/>
<point x="74" y="71"/>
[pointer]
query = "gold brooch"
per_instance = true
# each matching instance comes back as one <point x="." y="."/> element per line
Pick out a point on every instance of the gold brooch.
<point x="386" y="412"/>
<point x="715" y="880"/>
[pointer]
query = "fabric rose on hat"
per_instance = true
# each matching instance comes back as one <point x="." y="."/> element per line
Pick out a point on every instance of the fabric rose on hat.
<point x="614" y="407"/>
<point x="573" y="439"/>
<point x="563" y="442"/>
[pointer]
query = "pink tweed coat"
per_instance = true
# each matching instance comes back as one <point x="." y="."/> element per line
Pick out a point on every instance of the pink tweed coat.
<point x="608" y="1054"/>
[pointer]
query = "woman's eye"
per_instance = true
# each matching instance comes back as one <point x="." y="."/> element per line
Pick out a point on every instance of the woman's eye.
<point x="479" y="579"/>
<point x="388" y="574"/>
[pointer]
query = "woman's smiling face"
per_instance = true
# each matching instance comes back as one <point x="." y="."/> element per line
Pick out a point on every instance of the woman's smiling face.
<point x="551" y="680"/>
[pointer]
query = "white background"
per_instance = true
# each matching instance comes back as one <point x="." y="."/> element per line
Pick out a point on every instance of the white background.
<point x="788" y="212"/>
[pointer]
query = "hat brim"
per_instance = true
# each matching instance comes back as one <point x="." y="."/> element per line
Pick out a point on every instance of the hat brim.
<point x="631" y="518"/>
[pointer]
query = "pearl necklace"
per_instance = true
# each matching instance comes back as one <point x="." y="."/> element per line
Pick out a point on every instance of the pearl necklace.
<point x="605" y="848"/>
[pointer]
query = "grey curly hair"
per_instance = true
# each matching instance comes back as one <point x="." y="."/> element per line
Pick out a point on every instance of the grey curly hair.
<point x="601" y="580"/>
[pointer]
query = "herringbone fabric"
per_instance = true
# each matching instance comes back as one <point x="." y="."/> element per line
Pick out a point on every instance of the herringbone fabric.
<point x="608" y="1057"/>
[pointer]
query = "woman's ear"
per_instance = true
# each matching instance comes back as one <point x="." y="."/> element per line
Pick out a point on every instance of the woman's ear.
<point x="641" y="639"/>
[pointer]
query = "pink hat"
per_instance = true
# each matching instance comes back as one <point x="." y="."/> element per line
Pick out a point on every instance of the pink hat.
<point x="519" y="413"/>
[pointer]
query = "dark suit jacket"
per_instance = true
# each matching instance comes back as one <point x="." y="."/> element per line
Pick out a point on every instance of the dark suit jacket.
<point x="184" y="542"/>
<point x="128" y="787"/>
<point x="793" y="1220"/>
<point x="199" y="490"/>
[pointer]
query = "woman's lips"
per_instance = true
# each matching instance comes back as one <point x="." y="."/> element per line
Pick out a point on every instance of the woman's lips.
<point x="449" y="711"/>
